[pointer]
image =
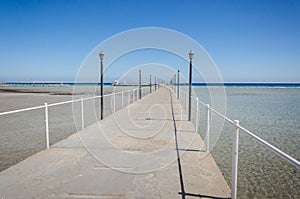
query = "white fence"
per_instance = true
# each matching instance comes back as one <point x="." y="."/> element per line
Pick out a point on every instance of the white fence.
<point x="125" y="98"/>
<point x="183" y="98"/>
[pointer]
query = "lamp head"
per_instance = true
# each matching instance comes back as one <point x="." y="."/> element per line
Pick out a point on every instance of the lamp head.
<point x="191" y="54"/>
<point x="101" y="56"/>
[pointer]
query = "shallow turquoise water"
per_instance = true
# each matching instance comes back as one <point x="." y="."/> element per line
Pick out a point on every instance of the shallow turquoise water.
<point x="272" y="113"/>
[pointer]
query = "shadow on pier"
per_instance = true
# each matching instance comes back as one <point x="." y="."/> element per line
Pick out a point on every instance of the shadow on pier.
<point x="183" y="193"/>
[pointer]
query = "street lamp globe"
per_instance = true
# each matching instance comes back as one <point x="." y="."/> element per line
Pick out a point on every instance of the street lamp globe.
<point x="191" y="54"/>
<point x="101" y="55"/>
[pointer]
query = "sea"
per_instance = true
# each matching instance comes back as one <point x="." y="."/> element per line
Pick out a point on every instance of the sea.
<point x="270" y="111"/>
<point x="22" y="134"/>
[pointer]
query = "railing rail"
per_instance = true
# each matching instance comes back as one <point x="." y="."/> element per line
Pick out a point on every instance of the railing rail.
<point x="235" y="137"/>
<point x="131" y="94"/>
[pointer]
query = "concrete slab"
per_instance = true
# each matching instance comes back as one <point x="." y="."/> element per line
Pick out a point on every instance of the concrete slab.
<point x="146" y="150"/>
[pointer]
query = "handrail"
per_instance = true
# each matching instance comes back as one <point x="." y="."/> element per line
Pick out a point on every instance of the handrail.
<point x="270" y="146"/>
<point x="273" y="148"/>
<point x="132" y="96"/>
<point x="61" y="103"/>
<point x="21" y="110"/>
<point x="235" y="143"/>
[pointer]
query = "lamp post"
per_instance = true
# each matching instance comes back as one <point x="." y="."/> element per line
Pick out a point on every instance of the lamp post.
<point x="140" y="84"/>
<point x="150" y="85"/>
<point x="190" y="84"/>
<point x="174" y="84"/>
<point x="101" y="83"/>
<point x="178" y="84"/>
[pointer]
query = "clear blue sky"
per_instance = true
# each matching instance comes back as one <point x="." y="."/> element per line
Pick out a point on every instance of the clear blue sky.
<point x="250" y="41"/>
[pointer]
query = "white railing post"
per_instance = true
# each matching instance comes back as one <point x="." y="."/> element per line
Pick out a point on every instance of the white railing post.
<point x="128" y="97"/>
<point x="47" y="126"/>
<point x="114" y="94"/>
<point x="122" y="99"/>
<point x="197" y="114"/>
<point x="132" y="92"/>
<point x="82" y="114"/>
<point x="185" y="100"/>
<point x="133" y="95"/>
<point x="136" y="94"/>
<point x="207" y="126"/>
<point x="180" y="97"/>
<point x="235" y="156"/>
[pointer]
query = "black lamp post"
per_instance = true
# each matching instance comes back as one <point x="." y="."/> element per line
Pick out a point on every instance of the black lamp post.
<point x="178" y="84"/>
<point x="101" y="83"/>
<point x="190" y="84"/>
<point x="174" y="83"/>
<point x="140" y="84"/>
<point x="150" y="85"/>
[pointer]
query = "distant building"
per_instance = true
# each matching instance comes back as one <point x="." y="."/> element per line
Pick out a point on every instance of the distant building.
<point x="115" y="83"/>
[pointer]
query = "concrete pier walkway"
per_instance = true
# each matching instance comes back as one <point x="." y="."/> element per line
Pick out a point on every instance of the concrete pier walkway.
<point x="146" y="150"/>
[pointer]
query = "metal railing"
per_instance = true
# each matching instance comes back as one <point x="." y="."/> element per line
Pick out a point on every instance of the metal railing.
<point x="183" y="98"/>
<point x="131" y="95"/>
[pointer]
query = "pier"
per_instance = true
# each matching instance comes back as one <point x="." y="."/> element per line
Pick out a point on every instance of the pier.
<point x="148" y="149"/>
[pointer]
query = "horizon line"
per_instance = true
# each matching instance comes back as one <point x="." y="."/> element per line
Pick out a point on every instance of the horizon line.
<point x="184" y="83"/>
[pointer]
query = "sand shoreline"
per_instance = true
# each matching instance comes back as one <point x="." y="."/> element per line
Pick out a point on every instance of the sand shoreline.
<point x="37" y="92"/>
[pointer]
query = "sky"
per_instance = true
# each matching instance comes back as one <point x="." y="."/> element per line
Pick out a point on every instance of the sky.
<point x="249" y="41"/>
